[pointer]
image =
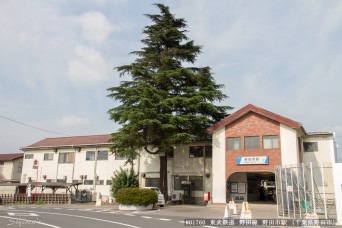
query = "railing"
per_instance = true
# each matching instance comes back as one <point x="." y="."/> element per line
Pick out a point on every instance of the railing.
<point x="40" y="198"/>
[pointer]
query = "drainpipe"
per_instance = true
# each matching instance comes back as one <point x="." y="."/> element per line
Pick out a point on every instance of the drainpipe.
<point x="95" y="167"/>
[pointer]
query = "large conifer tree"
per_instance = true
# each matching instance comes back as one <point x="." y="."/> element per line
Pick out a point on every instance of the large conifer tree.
<point x="164" y="103"/>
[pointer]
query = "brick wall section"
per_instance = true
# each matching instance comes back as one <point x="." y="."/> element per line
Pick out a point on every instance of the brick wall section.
<point x="252" y="124"/>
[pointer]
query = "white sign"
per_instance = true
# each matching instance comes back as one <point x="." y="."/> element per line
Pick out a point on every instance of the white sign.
<point x="290" y="188"/>
<point x="252" y="160"/>
<point x="35" y="164"/>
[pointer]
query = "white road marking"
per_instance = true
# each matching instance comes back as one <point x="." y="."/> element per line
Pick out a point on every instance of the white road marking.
<point x="129" y="215"/>
<point x="162" y="219"/>
<point x="72" y="209"/>
<point x="85" y="217"/>
<point x="181" y="221"/>
<point x="21" y="214"/>
<point x="15" y="220"/>
<point x="146" y="217"/>
<point x="57" y="208"/>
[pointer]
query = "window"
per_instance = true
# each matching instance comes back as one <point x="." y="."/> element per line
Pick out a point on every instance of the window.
<point x="99" y="182"/>
<point x="234" y="143"/>
<point x="48" y="156"/>
<point x="66" y="157"/>
<point x="270" y="142"/>
<point x="198" y="182"/>
<point x="102" y="155"/>
<point x="28" y="156"/>
<point x="90" y="155"/>
<point x="61" y="180"/>
<point x="20" y="167"/>
<point x="196" y="151"/>
<point x="170" y="152"/>
<point x="152" y="182"/>
<point x="49" y="180"/>
<point x="120" y="157"/>
<point x="178" y="182"/>
<point x="88" y="182"/>
<point x="251" y="142"/>
<point x="208" y="151"/>
<point x="109" y="182"/>
<point x="310" y="146"/>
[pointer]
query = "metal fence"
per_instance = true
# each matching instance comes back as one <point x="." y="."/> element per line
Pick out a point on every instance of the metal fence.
<point x="305" y="188"/>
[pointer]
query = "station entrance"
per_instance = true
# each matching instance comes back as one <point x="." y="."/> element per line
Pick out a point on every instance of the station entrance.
<point x="251" y="187"/>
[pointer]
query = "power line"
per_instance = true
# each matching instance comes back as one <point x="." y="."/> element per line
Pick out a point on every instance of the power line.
<point x="27" y="125"/>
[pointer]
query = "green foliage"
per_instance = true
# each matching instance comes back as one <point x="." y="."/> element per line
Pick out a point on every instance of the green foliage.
<point x="164" y="103"/>
<point x="123" y="178"/>
<point x="40" y="202"/>
<point x="136" y="196"/>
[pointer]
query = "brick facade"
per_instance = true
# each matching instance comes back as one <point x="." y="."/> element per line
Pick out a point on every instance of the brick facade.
<point x="252" y="124"/>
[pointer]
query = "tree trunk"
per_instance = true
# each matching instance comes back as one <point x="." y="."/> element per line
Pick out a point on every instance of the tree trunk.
<point x="163" y="175"/>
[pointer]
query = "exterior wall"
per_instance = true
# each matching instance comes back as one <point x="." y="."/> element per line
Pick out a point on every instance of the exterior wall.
<point x="7" y="170"/>
<point x="325" y="151"/>
<point x="289" y="145"/>
<point x="252" y="125"/>
<point x="103" y="169"/>
<point x="337" y="170"/>
<point x="181" y="164"/>
<point x="10" y="169"/>
<point x="219" y="167"/>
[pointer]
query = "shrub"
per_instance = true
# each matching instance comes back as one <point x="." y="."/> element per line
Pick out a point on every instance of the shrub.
<point x="136" y="196"/>
<point x="123" y="178"/>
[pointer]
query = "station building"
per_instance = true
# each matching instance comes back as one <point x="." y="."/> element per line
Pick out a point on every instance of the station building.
<point x="241" y="158"/>
<point x="251" y="143"/>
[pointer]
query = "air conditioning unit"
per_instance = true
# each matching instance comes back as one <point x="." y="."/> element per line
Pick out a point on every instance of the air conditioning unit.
<point x="176" y="196"/>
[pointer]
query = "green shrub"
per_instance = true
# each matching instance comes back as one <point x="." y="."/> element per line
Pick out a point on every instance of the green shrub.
<point x="123" y="178"/>
<point x="136" y="196"/>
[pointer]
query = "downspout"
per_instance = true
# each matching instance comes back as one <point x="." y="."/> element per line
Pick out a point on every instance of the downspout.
<point x="56" y="152"/>
<point x="95" y="167"/>
<point x="73" y="164"/>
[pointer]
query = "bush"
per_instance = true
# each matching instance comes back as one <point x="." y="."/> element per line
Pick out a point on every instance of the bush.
<point x="136" y="196"/>
<point x="123" y="178"/>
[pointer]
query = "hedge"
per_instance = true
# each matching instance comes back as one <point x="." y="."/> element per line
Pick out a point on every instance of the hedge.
<point x="136" y="196"/>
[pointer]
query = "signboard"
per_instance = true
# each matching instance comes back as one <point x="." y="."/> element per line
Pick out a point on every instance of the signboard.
<point x="234" y="187"/>
<point x="242" y="187"/>
<point x="35" y="164"/>
<point x="252" y="160"/>
<point x="290" y="188"/>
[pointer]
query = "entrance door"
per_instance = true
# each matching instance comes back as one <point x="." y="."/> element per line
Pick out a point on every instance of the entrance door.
<point x="261" y="187"/>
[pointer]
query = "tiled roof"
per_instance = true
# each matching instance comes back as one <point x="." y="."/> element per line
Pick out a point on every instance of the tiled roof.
<point x="10" y="157"/>
<point x="252" y="108"/>
<point x="71" y="141"/>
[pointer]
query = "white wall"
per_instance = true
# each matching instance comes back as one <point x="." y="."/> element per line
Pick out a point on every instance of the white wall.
<point x="219" y="167"/>
<point x="337" y="170"/>
<point x="104" y="169"/>
<point x="325" y="151"/>
<point x="289" y="145"/>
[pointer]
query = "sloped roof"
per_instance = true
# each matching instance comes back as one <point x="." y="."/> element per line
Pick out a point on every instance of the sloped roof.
<point x="10" y="157"/>
<point x="252" y="108"/>
<point x="71" y="141"/>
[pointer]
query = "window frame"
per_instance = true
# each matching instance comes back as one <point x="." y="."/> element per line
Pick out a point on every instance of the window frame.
<point x="230" y="143"/>
<point x="176" y="185"/>
<point x="29" y="156"/>
<point x="68" y="158"/>
<point x="90" y="155"/>
<point x="251" y="147"/>
<point x="47" y="156"/>
<point x="274" y="145"/>
<point x="196" y="151"/>
<point x="314" y="149"/>
<point x="99" y="158"/>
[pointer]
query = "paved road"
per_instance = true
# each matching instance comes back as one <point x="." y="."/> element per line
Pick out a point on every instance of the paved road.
<point x="85" y="216"/>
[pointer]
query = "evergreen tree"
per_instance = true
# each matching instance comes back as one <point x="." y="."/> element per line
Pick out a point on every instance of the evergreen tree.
<point x="165" y="102"/>
<point x="123" y="178"/>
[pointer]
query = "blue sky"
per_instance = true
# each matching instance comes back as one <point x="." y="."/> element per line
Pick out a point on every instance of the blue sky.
<point x="57" y="60"/>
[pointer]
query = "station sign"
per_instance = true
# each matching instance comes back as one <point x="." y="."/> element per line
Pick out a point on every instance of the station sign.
<point x="252" y="160"/>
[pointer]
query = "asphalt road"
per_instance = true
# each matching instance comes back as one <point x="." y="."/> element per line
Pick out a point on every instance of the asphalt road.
<point x="90" y="217"/>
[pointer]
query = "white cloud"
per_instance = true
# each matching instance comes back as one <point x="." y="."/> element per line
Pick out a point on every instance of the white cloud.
<point x="88" y="65"/>
<point x="71" y="120"/>
<point x="95" y="27"/>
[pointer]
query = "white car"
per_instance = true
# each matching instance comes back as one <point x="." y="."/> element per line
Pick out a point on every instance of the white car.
<point x="161" y="198"/>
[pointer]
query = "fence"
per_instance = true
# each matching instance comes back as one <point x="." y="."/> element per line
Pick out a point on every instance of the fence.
<point x="305" y="188"/>
<point x="40" y="197"/>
